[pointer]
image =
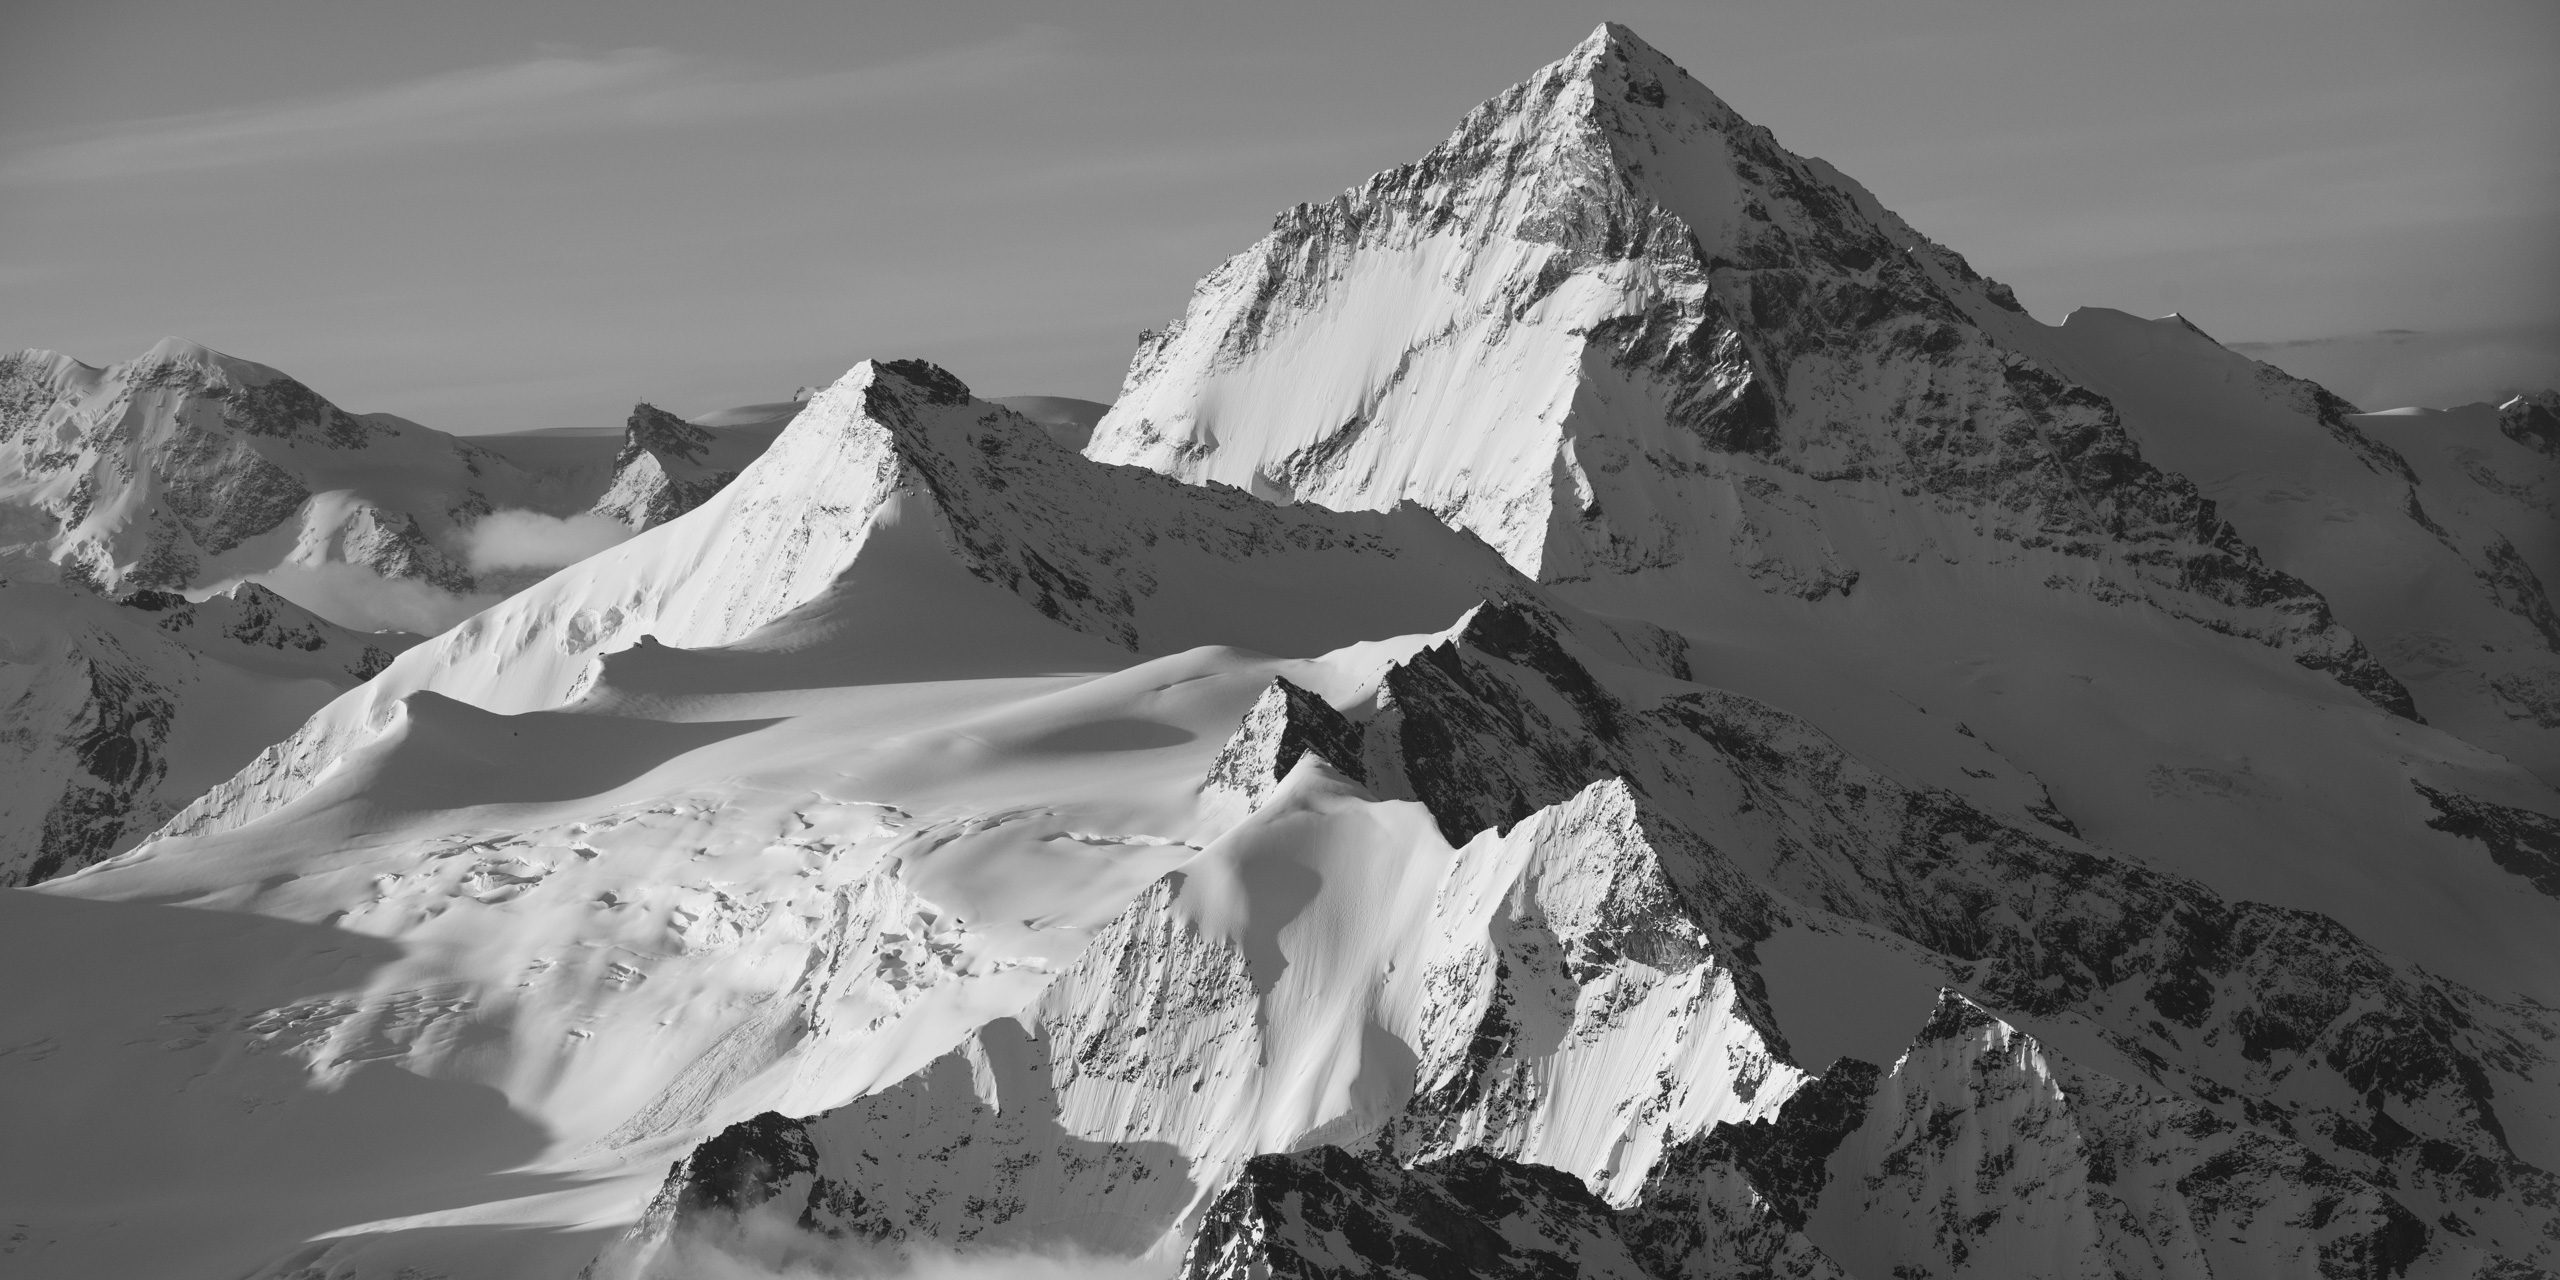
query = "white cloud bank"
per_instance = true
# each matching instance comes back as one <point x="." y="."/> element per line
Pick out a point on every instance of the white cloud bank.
<point x="531" y="540"/>
<point x="358" y="598"/>
<point x="769" y="1251"/>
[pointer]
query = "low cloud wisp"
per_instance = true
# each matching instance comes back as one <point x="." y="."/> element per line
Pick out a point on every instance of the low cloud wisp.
<point x="531" y="540"/>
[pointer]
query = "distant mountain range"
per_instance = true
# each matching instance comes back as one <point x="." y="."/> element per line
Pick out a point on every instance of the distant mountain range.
<point x="1599" y="705"/>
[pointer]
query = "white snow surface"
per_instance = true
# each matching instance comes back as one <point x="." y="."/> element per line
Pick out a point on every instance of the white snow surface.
<point x="1619" y="673"/>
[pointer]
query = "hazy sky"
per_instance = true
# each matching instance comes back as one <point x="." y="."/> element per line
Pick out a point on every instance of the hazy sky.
<point x="501" y="214"/>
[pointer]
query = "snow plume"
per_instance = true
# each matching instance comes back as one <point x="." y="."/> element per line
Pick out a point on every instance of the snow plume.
<point x="520" y="539"/>
<point x="775" y="1251"/>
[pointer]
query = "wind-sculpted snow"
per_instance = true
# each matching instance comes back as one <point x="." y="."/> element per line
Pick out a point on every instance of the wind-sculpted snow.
<point x="1861" y="817"/>
<point x="1134" y="558"/>
<point x="1610" y="326"/>
<point x="114" y="713"/>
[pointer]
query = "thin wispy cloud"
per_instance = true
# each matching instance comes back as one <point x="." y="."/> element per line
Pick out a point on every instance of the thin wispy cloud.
<point x="629" y="88"/>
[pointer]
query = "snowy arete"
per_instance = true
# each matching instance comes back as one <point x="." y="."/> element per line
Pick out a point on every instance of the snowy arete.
<point x="1599" y="706"/>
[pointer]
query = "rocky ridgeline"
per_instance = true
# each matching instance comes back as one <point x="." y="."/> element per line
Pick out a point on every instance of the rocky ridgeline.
<point x="668" y="466"/>
<point x="1611" y="326"/>
<point x="1617" y="332"/>
<point x="1479" y="947"/>
<point x="1116" y="552"/>
<point x="1585" y="1002"/>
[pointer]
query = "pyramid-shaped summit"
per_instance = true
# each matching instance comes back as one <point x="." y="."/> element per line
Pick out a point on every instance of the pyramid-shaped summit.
<point x="1616" y="330"/>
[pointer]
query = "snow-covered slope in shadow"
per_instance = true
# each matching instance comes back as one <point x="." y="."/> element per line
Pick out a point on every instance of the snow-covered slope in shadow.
<point x="115" y="713"/>
<point x="2437" y="556"/>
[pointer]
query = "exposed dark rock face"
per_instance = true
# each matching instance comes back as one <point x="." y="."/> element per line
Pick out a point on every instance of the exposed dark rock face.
<point x="2533" y="420"/>
<point x="115" y="740"/>
<point x="2224" y="1002"/>
<point x="1326" y="1214"/>
<point x="86" y="740"/>
<point x="668" y="467"/>
<point x="1286" y="723"/>
<point x="2519" y="840"/>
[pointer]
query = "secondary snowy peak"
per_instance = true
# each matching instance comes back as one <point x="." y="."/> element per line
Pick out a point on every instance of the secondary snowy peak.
<point x="113" y="714"/>
<point x="669" y="466"/>
<point x="893" y="472"/>
<point x="187" y="468"/>
<point x="1611" y="327"/>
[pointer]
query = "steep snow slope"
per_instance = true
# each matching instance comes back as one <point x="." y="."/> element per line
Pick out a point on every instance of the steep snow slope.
<point x="1683" y="375"/>
<point x="897" y="787"/>
<point x="2430" y="566"/>
<point x="114" y="713"/>
<point x="1118" y="552"/>
<point x="938" y="841"/>
<point x="1610" y="326"/>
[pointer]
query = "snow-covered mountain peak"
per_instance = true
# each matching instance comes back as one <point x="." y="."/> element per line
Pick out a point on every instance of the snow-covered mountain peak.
<point x="1879" y="786"/>
<point x="1616" y="331"/>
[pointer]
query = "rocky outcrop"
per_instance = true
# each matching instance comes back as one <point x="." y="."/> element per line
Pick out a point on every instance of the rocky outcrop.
<point x="668" y="466"/>
<point x="2532" y="420"/>
<point x="1318" y="1214"/>
<point x="1285" y="724"/>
